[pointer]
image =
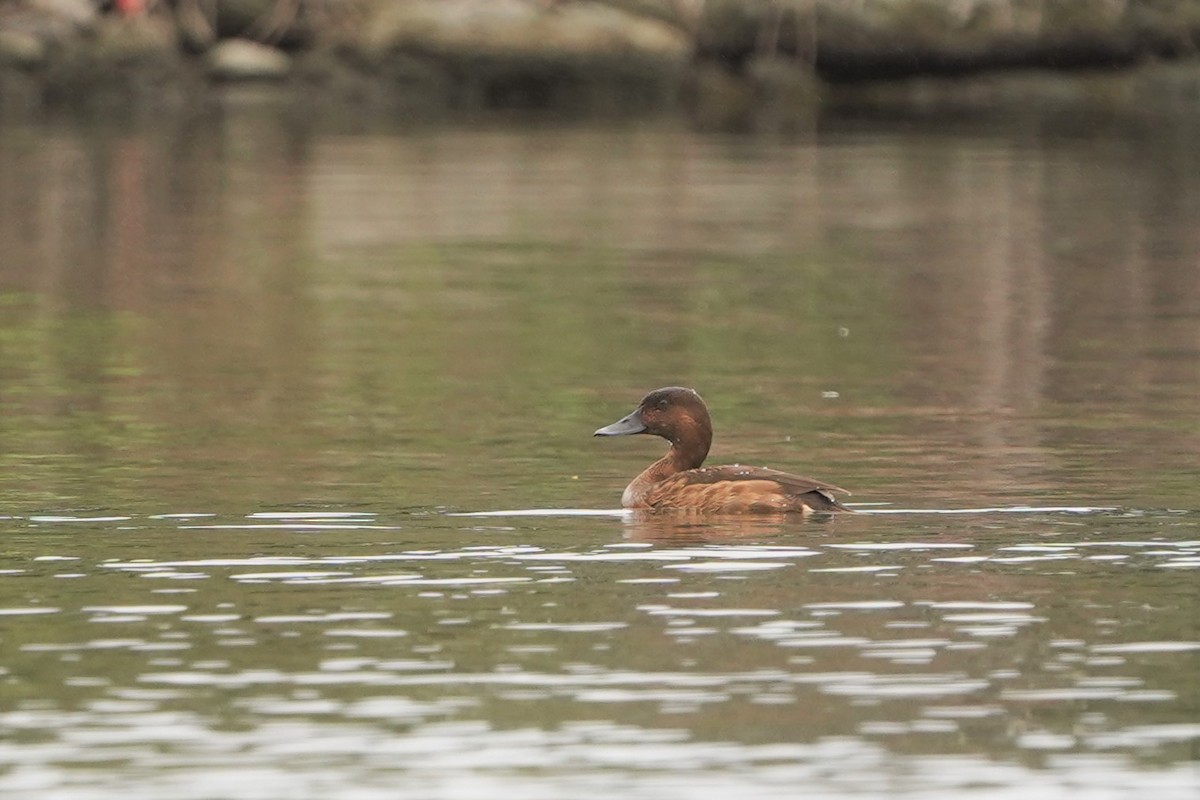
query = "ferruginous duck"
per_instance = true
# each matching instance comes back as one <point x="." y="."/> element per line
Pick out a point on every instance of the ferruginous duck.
<point x="679" y="481"/>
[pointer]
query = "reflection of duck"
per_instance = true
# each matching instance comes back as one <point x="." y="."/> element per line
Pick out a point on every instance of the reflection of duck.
<point x="677" y="480"/>
<point x="688" y="529"/>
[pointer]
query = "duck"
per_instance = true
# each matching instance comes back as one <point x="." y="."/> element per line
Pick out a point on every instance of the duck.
<point x="680" y="481"/>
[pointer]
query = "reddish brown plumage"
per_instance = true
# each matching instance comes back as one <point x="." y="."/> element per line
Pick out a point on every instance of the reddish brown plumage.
<point x="678" y="481"/>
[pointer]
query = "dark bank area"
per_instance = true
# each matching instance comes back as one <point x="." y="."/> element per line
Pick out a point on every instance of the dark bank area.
<point x="730" y="64"/>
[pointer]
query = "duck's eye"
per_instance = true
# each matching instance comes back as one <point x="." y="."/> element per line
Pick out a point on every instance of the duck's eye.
<point x="662" y="404"/>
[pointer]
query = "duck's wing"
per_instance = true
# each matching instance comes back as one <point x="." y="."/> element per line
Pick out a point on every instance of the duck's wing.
<point x="737" y="472"/>
<point x="735" y="487"/>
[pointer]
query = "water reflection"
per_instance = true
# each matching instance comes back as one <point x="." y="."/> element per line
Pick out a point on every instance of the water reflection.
<point x="666" y="662"/>
<point x="223" y="310"/>
<point x="250" y="378"/>
<point x="691" y="657"/>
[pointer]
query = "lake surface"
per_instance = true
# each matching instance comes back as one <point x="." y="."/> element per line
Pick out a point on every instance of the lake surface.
<point x="296" y="460"/>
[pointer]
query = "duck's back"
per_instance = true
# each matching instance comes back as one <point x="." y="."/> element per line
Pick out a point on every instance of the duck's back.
<point x="736" y="489"/>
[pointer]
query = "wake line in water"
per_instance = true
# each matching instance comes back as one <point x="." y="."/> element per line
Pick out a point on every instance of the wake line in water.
<point x="547" y="512"/>
<point x="991" y="510"/>
<point x="861" y="508"/>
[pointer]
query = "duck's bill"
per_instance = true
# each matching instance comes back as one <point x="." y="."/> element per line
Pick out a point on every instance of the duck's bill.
<point x="623" y="427"/>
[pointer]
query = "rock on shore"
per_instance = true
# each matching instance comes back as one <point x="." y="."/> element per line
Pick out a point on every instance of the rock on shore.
<point x="244" y="60"/>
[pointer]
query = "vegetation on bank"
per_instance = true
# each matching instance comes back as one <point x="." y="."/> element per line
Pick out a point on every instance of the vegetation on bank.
<point x="446" y="54"/>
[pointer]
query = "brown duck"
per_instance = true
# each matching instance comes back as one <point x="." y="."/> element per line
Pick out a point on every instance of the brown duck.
<point x="678" y="481"/>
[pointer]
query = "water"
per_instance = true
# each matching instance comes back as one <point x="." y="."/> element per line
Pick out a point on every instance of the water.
<point x="300" y="500"/>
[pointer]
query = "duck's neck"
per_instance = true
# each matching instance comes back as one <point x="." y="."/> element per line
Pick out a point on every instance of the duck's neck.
<point x="687" y="452"/>
<point x="689" y="449"/>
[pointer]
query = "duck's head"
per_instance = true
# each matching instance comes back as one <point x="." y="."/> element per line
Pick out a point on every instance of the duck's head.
<point x="674" y="413"/>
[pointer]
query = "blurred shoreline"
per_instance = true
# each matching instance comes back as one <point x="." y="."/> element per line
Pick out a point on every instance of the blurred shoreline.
<point x="726" y="64"/>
